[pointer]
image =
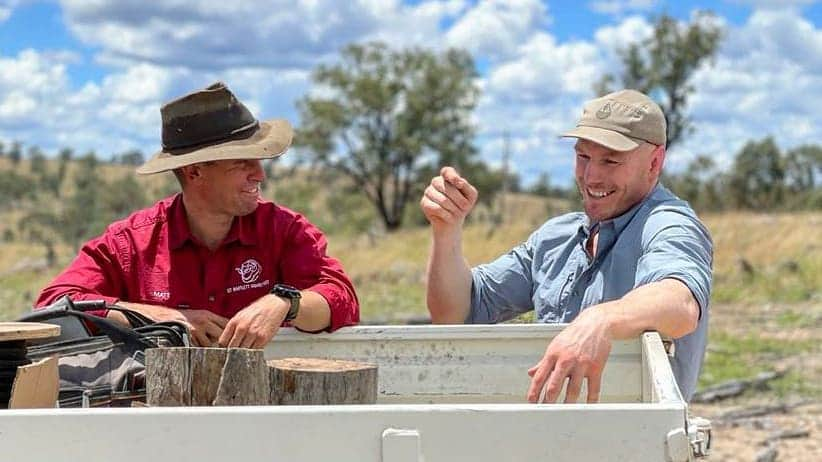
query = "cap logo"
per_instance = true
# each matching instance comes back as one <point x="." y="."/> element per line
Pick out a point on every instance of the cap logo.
<point x="604" y="111"/>
<point x="249" y="271"/>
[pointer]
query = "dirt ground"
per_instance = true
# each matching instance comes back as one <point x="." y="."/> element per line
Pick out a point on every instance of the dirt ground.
<point x="747" y="439"/>
<point x="755" y="438"/>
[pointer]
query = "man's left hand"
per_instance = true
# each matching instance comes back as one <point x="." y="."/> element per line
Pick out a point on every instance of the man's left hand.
<point x="255" y="325"/>
<point x="578" y="353"/>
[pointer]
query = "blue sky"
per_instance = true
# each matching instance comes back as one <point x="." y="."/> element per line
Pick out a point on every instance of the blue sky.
<point x="92" y="74"/>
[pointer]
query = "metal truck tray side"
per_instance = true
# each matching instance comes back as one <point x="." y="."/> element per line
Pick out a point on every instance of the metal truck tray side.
<point x="447" y="393"/>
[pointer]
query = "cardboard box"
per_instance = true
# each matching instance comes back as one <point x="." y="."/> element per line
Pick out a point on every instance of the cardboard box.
<point x="36" y="385"/>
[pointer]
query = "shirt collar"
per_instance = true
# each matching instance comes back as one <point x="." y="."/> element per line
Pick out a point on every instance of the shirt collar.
<point x="242" y="228"/>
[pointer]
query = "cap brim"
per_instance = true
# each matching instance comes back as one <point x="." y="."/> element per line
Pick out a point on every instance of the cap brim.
<point x="271" y="140"/>
<point x="608" y="138"/>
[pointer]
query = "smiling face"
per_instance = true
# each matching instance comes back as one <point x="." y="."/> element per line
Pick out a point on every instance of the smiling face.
<point x="611" y="182"/>
<point x="231" y="187"/>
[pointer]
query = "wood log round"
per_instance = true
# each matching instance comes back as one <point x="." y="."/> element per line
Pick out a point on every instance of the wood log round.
<point x="322" y="381"/>
<point x="206" y="377"/>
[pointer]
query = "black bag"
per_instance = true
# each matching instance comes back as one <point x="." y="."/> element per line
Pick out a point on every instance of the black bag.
<point x="101" y="362"/>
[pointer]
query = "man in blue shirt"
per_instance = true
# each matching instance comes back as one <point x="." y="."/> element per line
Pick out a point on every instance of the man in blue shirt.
<point x="637" y="259"/>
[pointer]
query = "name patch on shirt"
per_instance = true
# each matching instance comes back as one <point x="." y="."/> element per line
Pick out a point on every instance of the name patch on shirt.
<point x="241" y="287"/>
<point x="162" y="295"/>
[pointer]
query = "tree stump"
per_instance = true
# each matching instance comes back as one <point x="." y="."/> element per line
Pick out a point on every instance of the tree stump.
<point x="322" y="381"/>
<point x="206" y="377"/>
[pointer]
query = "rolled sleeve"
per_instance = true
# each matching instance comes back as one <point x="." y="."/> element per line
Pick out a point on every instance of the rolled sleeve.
<point x="678" y="247"/>
<point x="502" y="289"/>
<point x="307" y="266"/>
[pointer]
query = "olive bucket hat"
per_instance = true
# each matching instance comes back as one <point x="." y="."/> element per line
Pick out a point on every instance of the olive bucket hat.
<point x="212" y="124"/>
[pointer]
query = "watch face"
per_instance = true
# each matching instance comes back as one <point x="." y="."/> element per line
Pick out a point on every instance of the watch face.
<point x="286" y="291"/>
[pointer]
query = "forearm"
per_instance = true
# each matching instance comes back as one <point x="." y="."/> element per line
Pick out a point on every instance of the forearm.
<point x="448" y="293"/>
<point x="666" y="306"/>
<point x="154" y="312"/>
<point x="314" y="314"/>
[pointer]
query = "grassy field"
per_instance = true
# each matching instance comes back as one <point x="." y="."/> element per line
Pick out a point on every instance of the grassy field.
<point x="767" y="303"/>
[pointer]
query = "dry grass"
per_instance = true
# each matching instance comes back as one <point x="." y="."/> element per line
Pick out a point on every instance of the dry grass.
<point x="388" y="270"/>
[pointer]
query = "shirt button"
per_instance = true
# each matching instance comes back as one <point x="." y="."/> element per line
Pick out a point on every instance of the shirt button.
<point x="211" y="298"/>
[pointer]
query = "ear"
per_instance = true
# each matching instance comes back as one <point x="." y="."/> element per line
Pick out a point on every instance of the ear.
<point x="192" y="173"/>
<point x="657" y="159"/>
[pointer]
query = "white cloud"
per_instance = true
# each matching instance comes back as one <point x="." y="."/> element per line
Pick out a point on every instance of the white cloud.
<point x="774" y="4"/>
<point x="496" y="28"/>
<point x="630" y="30"/>
<point x="765" y="82"/>
<point x="412" y="25"/>
<point x="765" y="79"/>
<point x="544" y="69"/>
<point x="620" y="7"/>
<point x="40" y="107"/>
<point x="28" y="84"/>
<point x="6" y="8"/>
<point x="247" y="33"/>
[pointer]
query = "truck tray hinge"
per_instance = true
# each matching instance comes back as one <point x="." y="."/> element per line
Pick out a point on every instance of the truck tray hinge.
<point x="699" y="432"/>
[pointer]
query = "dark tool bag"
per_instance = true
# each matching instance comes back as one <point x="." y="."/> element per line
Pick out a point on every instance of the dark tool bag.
<point x="101" y="362"/>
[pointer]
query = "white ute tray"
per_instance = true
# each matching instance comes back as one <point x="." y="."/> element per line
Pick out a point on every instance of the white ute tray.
<point x="446" y="393"/>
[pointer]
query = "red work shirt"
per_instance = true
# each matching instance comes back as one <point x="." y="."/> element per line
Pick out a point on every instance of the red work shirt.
<point x="151" y="257"/>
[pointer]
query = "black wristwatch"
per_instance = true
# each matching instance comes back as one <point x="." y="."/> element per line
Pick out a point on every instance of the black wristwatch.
<point x="290" y="293"/>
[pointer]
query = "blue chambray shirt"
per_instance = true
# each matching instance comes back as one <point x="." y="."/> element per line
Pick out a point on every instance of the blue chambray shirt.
<point x="659" y="238"/>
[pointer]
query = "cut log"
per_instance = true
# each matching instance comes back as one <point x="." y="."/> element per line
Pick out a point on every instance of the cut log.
<point x="792" y="433"/>
<point x="244" y="379"/>
<point x="753" y="412"/>
<point x="167" y="375"/>
<point x="322" y="381"/>
<point x="734" y="388"/>
<point x="206" y="377"/>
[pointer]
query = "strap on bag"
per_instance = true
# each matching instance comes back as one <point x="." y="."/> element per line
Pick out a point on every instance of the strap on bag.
<point x="117" y="333"/>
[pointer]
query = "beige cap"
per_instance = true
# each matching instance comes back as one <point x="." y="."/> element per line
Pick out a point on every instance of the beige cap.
<point x="620" y="121"/>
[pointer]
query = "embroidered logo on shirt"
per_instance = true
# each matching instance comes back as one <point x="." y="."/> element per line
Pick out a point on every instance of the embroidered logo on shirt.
<point x="249" y="270"/>
<point x="161" y="295"/>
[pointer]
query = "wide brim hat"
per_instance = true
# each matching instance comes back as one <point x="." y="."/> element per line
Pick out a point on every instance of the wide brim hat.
<point x="212" y="124"/>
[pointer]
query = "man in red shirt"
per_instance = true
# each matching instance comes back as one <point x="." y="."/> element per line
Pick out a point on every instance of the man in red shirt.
<point x="230" y="265"/>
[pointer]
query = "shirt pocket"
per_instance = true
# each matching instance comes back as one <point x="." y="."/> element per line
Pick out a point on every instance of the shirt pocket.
<point x="551" y="297"/>
<point x="155" y="289"/>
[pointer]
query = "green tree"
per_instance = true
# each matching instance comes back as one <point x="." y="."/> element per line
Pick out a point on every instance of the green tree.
<point x="662" y="65"/>
<point x="82" y="215"/>
<point x="803" y="168"/>
<point x="132" y="157"/>
<point x="122" y="196"/>
<point x="63" y="158"/>
<point x="388" y="114"/>
<point x="14" y="187"/>
<point x="757" y="177"/>
<point x="40" y="225"/>
<point x="542" y="187"/>
<point x="697" y="183"/>
<point x="803" y="176"/>
<point x="37" y="161"/>
<point x="15" y="153"/>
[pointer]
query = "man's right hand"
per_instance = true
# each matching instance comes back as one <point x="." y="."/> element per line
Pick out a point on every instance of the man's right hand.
<point x="205" y="327"/>
<point x="448" y="200"/>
